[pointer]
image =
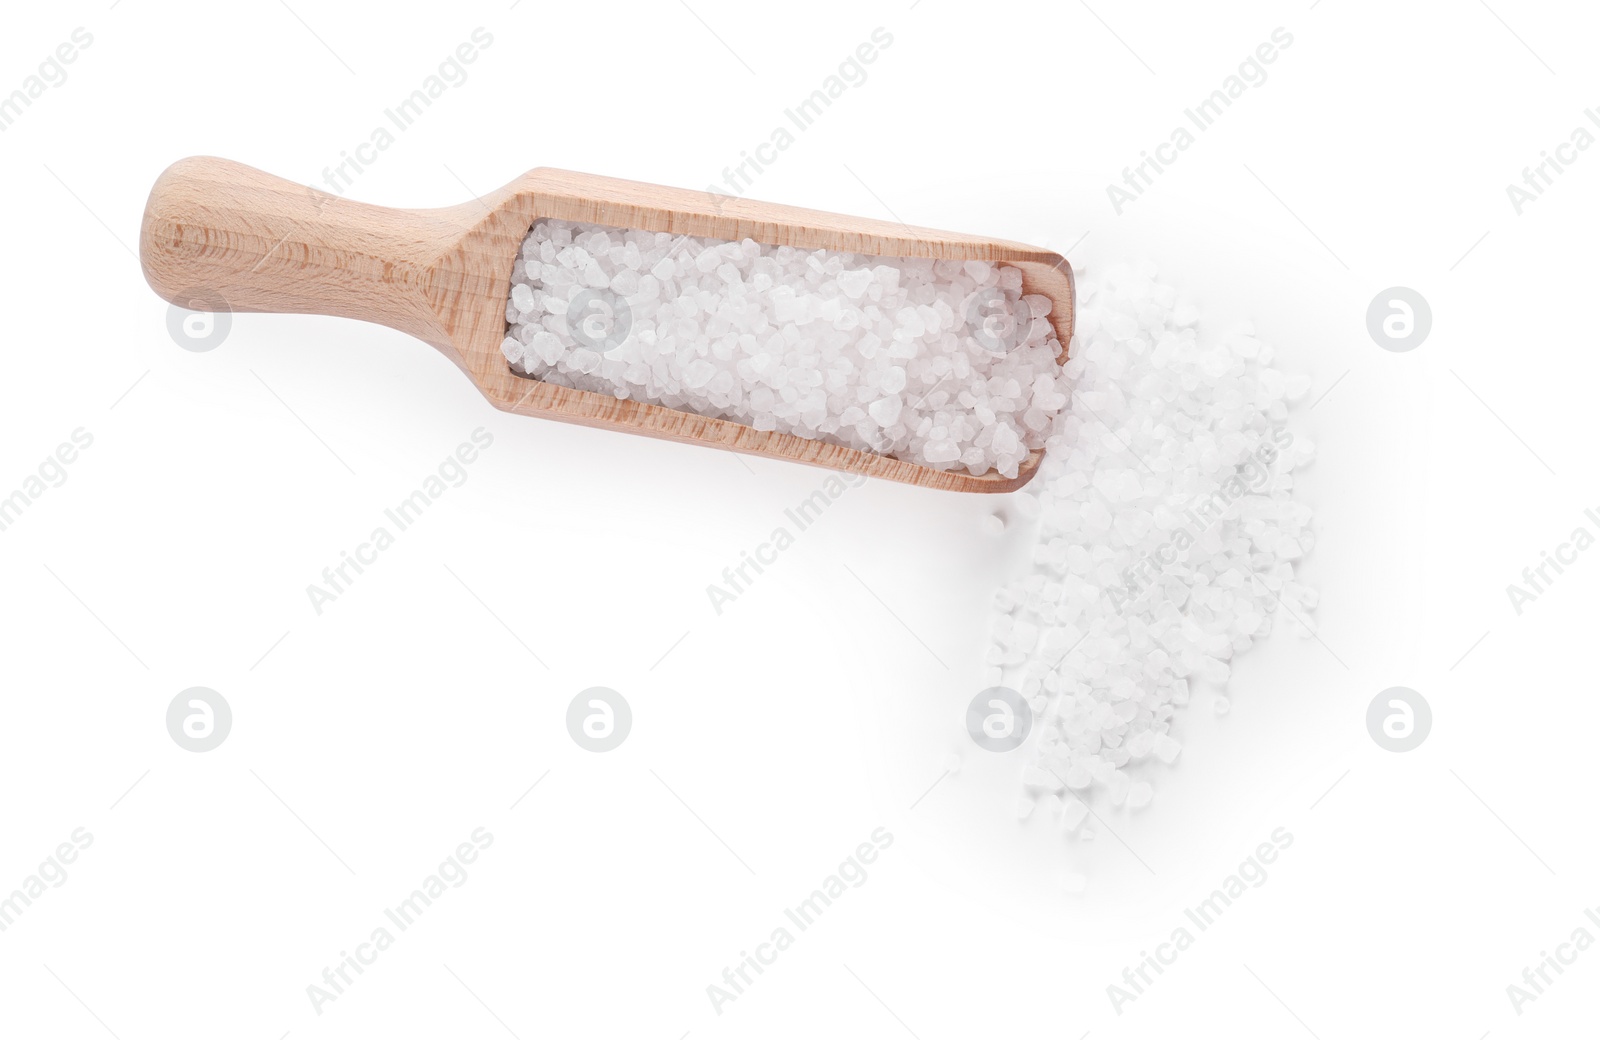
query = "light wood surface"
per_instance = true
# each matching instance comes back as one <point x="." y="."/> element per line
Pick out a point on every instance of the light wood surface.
<point x="215" y="229"/>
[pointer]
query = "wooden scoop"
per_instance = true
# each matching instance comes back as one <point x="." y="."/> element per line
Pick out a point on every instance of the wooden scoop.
<point x="220" y="235"/>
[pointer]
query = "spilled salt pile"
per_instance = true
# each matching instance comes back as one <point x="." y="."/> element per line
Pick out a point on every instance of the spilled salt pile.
<point x="1167" y="542"/>
<point x="943" y="363"/>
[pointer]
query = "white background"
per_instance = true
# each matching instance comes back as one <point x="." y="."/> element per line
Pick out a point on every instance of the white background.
<point x="769" y="741"/>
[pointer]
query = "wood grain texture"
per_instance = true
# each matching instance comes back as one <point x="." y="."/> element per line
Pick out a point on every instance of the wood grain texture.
<point x="218" y="230"/>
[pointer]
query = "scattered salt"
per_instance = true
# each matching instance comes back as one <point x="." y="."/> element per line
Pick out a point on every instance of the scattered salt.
<point x="1167" y="534"/>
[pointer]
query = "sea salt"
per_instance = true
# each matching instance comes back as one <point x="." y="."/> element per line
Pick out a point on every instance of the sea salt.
<point x="1073" y="813"/>
<point x="944" y="363"/>
<point x="1166" y="540"/>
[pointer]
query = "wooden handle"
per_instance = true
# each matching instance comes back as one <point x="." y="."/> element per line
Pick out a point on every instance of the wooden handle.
<point x="221" y="235"/>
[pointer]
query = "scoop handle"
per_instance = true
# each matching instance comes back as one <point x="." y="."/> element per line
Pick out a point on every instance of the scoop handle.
<point x="220" y="235"/>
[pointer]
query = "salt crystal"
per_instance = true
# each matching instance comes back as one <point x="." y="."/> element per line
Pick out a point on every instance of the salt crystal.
<point x="547" y="347"/>
<point x="1118" y="787"/>
<point x="885" y="411"/>
<point x="854" y="283"/>
<point x="1073" y="812"/>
